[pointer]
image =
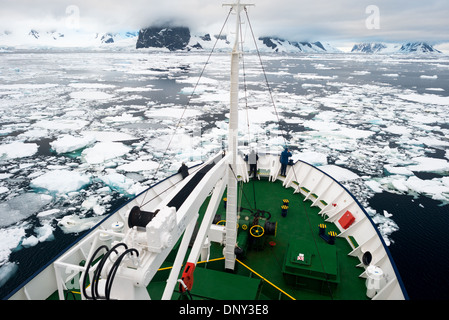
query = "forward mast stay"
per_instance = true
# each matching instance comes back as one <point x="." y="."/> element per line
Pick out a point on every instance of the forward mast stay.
<point x="231" y="207"/>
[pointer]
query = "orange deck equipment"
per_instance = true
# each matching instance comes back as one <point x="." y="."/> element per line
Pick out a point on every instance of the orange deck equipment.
<point x="346" y="220"/>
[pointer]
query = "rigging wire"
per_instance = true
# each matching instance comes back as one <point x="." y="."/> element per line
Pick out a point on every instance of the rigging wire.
<point x="285" y="143"/>
<point x="245" y="89"/>
<point x="266" y="79"/>
<point x="190" y="98"/>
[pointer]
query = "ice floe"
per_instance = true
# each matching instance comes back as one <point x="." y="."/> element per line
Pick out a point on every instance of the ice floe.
<point x="9" y="240"/>
<point x="122" y="184"/>
<point x="361" y="127"/>
<point x="17" y="149"/>
<point x="429" y="165"/>
<point x="68" y="143"/>
<point x="138" y="166"/>
<point x="108" y="136"/>
<point x="22" y="207"/>
<point x="61" y="181"/>
<point x="104" y="151"/>
<point x="43" y="233"/>
<point x="425" y="98"/>
<point x="74" y="224"/>
<point x="91" y="95"/>
<point x="62" y="124"/>
<point x="339" y="173"/>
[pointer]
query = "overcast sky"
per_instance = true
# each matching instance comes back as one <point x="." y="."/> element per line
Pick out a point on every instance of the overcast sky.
<point x="297" y="20"/>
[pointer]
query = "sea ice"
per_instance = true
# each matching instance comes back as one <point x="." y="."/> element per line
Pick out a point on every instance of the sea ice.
<point x="123" y="118"/>
<point x="398" y="170"/>
<point x="172" y="112"/>
<point x="386" y="227"/>
<point x="399" y="184"/>
<point x="43" y="233"/>
<point x="68" y="143"/>
<point x="108" y="136"/>
<point x="387" y="214"/>
<point x="61" y="181"/>
<point x="396" y="129"/>
<point x="374" y="185"/>
<point x="22" y="207"/>
<point x="17" y="150"/>
<point x="47" y="213"/>
<point x="91" y="203"/>
<point x="104" y="151"/>
<point x="428" y="77"/>
<point x="434" y="188"/>
<point x="122" y="184"/>
<point x="138" y="165"/>
<point x="429" y="165"/>
<point x="339" y="173"/>
<point x="425" y="98"/>
<point x="7" y="270"/>
<point x="91" y="95"/>
<point x="62" y="124"/>
<point x="9" y="239"/>
<point x="74" y="224"/>
<point x="312" y="157"/>
<point x="91" y="85"/>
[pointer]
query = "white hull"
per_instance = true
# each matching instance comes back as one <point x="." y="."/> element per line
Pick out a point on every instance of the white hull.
<point x="313" y="183"/>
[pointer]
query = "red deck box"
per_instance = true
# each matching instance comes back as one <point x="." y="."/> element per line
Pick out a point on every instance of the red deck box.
<point x="346" y="220"/>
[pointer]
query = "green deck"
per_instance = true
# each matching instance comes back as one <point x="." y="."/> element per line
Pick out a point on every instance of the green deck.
<point x="269" y="270"/>
<point x="298" y="230"/>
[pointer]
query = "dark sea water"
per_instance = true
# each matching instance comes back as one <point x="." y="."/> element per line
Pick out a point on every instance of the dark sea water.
<point x="359" y="112"/>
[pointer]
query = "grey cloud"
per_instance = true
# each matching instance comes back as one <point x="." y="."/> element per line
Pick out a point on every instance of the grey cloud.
<point x="337" y="20"/>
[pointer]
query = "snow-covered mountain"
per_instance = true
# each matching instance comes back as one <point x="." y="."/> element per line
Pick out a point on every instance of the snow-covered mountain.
<point x="389" y="48"/>
<point x="180" y="38"/>
<point x="159" y="38"/>
<point x="38" y="39"/>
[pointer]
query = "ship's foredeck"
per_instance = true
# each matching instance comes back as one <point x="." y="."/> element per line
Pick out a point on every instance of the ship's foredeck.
<point x="267" y="270"/>
<point x="295" y="263"/>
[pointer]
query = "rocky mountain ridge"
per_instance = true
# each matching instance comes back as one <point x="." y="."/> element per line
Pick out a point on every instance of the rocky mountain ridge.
<point x="181" y="38"/>
<point x="408" y="47"/>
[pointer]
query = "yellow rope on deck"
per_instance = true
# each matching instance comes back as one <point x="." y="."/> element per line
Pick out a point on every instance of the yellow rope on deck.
<point x="265" y="279"/>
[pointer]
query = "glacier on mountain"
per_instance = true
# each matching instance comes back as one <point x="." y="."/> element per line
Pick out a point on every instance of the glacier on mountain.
<point x="379" y="47"/>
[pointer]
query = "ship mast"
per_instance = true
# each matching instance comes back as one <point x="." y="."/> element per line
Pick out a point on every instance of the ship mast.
<point x="231" y="206"/>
